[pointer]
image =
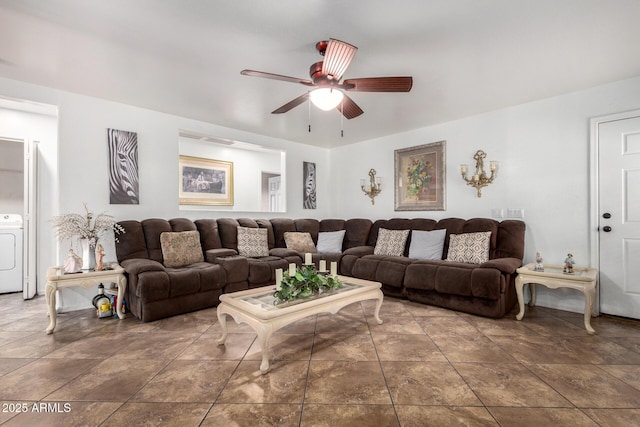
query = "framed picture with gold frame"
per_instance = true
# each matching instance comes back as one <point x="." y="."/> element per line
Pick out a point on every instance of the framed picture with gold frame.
<point x="205" y="181"/>
<point x="420" y="178"/>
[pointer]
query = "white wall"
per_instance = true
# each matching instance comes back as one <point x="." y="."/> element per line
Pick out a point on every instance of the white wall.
<point x="543" y="153"/>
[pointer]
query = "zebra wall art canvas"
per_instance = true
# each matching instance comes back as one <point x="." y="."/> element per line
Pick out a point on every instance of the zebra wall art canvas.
<point x="309" y="185"/>
<point x="123" y="167"/>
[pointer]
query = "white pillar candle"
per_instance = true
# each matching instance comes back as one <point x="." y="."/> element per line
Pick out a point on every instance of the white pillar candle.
<point x="292" y="269"/>
<point x="278" y="278"/>
<point x="307" y="258"/>
<point x="323" y="265"/>
<point x="334" y="268"/>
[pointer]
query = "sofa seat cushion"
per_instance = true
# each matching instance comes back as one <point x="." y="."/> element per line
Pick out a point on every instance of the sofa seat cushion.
<point x="195" y="278"/>
<point x="262" y="270"/>
<point x="464" y="280"/>
<point x="235" y="267"/>
<point x="388" y="270"/>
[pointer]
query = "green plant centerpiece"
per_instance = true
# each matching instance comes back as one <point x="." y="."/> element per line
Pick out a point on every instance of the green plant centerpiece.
<point x="305" y="283"/>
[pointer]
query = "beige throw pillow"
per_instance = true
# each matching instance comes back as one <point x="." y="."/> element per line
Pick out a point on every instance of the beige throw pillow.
<point x="471" y="248"/>
<point x="391" y="242"/>
<point x="253" y="242"/>
<point x="181" y="248"/>
<point x="299" y="242"/>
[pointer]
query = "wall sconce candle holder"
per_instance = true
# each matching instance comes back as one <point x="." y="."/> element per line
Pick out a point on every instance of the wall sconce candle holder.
<point x="480" y="178"/>
<point x="374" y="187"/>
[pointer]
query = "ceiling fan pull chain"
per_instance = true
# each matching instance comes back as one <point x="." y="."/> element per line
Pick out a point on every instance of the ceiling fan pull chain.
<point x="342" y="119"/>
<point x="309" y="104"/>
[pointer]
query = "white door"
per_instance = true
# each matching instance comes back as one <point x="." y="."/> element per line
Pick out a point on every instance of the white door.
<point x="274" y="193"/>
<point x="618" y="148"/>
<point x="29" y="288"/>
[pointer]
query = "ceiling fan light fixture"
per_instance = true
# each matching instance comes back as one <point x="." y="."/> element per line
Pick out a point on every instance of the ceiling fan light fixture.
<point x="326" y="98"/>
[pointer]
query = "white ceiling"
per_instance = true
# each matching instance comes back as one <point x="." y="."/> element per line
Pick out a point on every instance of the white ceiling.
<point x="184" y="57"/>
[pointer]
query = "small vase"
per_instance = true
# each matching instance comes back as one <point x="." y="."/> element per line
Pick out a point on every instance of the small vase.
<point x="88" y="255"/>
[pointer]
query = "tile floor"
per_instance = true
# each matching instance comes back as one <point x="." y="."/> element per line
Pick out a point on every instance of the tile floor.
<point x="424" y="366"/>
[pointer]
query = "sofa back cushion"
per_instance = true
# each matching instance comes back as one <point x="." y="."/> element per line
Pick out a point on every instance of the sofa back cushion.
<point x="510" y="240"/>
<point x="311" y="226"/>
<point x="477" y="225"/>
<point x="357" y="232"/>
<point x="180" y="249"/>
<point x="131" y="243"/>
<point x="265" y="223"/>
<point x="209" y="236"/>
<point x="281" y="226"/>
<point x="228" y="231"/>
<point x="153" y="228"/>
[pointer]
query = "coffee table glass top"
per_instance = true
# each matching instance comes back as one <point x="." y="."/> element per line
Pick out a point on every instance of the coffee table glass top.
<point x="267" y="301"/>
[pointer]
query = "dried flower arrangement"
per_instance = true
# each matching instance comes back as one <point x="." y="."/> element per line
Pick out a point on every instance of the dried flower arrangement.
<point x="85" y="227"/>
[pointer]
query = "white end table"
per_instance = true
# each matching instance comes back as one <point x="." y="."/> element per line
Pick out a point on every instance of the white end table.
<point x="582" y="279"/>
<point x="57" y="279"/>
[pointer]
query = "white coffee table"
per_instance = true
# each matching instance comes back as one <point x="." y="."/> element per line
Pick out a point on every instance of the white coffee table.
<point x="582" y="279"/>
<point x="256" y="308"/>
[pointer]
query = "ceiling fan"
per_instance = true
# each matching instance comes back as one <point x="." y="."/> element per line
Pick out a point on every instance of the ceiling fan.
<point x="325" y="78"/>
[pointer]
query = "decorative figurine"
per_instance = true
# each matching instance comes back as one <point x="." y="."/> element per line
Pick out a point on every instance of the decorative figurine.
<point x="99" y="257"/>
<point x="73" y="263"/>
<point x="538" y="266"/>
<point x="568" y="264"/>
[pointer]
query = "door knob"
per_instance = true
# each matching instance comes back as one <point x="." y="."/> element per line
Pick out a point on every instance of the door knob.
<point x="606" y="215"/>
<point x="606" y="229"/>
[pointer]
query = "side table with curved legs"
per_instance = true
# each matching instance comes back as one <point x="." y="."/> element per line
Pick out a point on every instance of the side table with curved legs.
<point x="582" y="279"/>
<point x="57" y="279"/>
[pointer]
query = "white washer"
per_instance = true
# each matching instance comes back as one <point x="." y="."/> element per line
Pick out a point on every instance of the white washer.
<point x="11" y="276"/>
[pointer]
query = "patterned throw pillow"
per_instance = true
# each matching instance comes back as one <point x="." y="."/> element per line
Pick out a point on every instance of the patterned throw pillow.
<point x="181" y="248"/>
<point x="253" y="242"/>
<point x="391" y="242"/>
<point x="471" y="248"/>
<point x="299" y="242"/>
<point x="330" y="241"/>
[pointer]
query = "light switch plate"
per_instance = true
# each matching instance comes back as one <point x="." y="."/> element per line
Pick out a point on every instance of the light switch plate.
<point x="515" y="213"/>
<point x="497" y="213"/>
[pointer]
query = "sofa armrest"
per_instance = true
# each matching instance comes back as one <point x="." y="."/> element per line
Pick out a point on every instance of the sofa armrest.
<point x="359" y="251"/>
<point x="141" y="265"/>
<point x="211" y="255"/>
<point x="505" y="265"/>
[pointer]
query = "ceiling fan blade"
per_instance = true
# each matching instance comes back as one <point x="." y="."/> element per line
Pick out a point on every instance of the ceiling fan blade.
<point x="337" y="58"/>
<point x="349" y="108"/>
<point x="379" y="84"/>
<point x="272" y="76"/>
<point x="291" y="104"/>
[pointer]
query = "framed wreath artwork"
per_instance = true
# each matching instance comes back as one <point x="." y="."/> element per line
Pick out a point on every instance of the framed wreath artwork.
<point x="420" y="178"/>
<point x="205" y="181"/>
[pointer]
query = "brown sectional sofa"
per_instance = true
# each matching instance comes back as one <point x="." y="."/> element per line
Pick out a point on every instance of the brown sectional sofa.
<point x="156" y="291"/>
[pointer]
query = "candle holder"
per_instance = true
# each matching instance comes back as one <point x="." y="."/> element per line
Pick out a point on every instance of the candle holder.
<point x="480" y="178"/>
<point x="374" y="188"/>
